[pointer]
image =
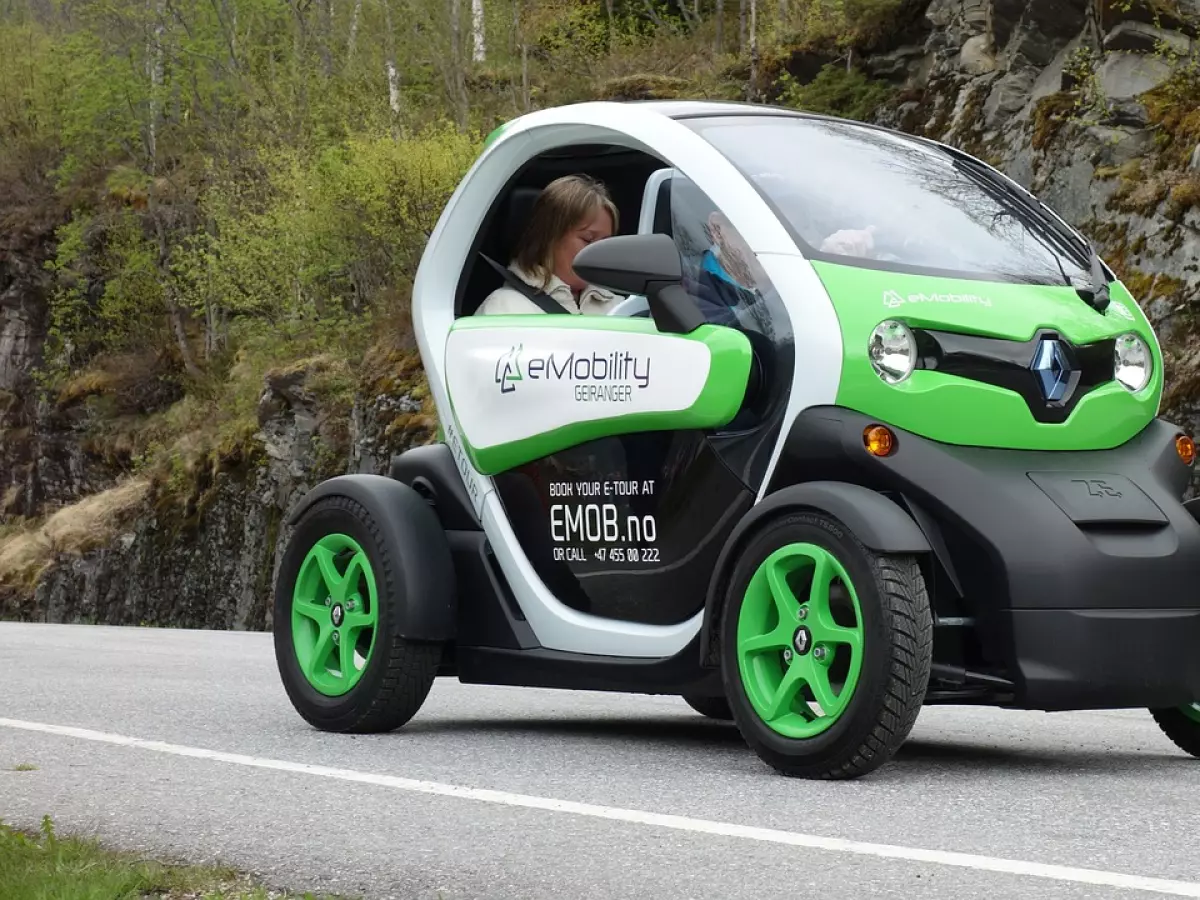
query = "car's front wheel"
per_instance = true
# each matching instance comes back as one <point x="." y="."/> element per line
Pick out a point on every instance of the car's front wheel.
<point x="826" y="648"/>
<point x="1182" y="726"/>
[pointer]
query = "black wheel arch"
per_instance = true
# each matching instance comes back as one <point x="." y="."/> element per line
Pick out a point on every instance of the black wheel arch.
<point x="876" y="520"/>
<point x="410" y="525"/>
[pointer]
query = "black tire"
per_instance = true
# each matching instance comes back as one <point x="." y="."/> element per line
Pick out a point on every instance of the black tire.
<point x="898" y="642"/>
<point x="711" y="707"/>
<point x="399" y="673"/>
<point x="1182" y="729"/>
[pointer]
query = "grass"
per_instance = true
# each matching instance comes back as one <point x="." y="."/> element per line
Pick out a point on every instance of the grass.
<point x="45" y="866"/>
<point x="73" y="529"/>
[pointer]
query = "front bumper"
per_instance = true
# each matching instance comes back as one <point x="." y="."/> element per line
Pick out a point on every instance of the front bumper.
<point x="1106" y="659"/>
<point x="1081" y="568"/>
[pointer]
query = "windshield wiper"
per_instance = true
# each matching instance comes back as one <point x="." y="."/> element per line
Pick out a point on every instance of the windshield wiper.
<point x="1099" y="298"/>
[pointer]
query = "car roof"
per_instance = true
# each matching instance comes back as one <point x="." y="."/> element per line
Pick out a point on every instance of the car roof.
<point x="695" y="109"/>
<point x="679" y="109"/>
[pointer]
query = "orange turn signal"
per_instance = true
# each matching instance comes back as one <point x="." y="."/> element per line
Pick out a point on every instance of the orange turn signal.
<point x="879" y="440"/>
<point x="1186" y="448"/>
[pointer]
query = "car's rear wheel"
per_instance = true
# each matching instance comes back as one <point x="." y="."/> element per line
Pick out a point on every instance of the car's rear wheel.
<point x="826" y="648"/>
<point x="337" y="601"/>
<point x="1182" y="726"/>
<point x="711" y="707"/>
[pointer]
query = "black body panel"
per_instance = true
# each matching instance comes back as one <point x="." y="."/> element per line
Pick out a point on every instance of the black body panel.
<point x="488" y="613"/>
<point x="626" y="527"/>
<point x="1008" y="506"/>
<point x="409" y="523"/>
<point x="432" y="472"/>
<point x="1108" y="659"/>
<point x="677" y="674"/>
<point x="1077" y="570"/>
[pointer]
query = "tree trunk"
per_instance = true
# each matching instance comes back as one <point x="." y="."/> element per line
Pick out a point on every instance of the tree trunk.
<point x="720" y="4"/>
<point x="612" y="24"/>
<point x="523" y="49"/>
<point x="457" y="74"/>
<point x="326" y="10"/>
<point x="742" y="26"/>
<point x="351" y="44"/>
<point x="477" y="43"/>
<point x="525" y="99"/>
<point x="389" y="64"/>
<point x="753" y="49"/>
<point x="154" y="64"/>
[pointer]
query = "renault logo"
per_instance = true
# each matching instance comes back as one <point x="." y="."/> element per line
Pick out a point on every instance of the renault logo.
<point x="1052" y="369"/>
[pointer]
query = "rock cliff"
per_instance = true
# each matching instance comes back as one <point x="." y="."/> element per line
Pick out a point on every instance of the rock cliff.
<point x="1093" y="106"/>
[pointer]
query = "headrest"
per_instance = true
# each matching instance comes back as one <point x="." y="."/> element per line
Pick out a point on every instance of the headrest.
<point x="516" y="217"/>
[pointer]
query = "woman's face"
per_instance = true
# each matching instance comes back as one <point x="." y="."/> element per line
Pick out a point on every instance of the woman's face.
<point x="595" y="227"/>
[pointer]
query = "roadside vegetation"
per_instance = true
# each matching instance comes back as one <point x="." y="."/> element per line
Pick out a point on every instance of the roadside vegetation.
<point x="45" y="866"/>
<point x="200" y="194"/>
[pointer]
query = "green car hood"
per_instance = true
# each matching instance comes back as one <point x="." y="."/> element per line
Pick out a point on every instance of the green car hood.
<point x="956" y="410"/>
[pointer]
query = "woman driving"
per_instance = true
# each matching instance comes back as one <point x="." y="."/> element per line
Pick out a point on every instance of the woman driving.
<point x="572" y="212"/>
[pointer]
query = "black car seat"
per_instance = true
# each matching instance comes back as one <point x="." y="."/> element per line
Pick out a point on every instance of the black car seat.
<point x="499" y="245"/>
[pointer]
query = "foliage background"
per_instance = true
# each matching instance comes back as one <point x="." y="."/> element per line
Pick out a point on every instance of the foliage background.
<point x="217" y="188"/>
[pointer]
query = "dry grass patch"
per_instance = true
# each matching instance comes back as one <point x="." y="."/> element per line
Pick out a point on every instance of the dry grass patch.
<point x="136" y="382"/>
<point x="92" y="521"/>
<point x="23" y="558"/>
<point x="74" y="529"/>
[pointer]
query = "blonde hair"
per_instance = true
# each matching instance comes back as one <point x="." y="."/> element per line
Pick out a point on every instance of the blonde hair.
<point x="562" y="206"/>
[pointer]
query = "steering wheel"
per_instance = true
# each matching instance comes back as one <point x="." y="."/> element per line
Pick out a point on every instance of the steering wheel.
<point x="635" y="305"/>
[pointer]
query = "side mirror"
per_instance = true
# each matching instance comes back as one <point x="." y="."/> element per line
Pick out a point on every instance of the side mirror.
<point x="643" y="264"/>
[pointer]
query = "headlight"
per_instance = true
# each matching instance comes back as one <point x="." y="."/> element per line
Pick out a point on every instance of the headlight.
<point x="893" y="351"/>
<point x="1132" y="362"/>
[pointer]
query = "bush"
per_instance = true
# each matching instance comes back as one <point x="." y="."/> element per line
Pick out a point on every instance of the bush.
<point x="836" y="92"/>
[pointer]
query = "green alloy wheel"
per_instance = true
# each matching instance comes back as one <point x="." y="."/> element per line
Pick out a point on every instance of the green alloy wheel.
<point x="826" y="648"/>
<point x="334" y="614"/>
<point x="796" y="653"/>
<point x="337" y="600"/>
<point x="1182" y="726"/>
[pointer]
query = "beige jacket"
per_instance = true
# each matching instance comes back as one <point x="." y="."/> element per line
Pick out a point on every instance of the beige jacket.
<point x="593" y="301"/>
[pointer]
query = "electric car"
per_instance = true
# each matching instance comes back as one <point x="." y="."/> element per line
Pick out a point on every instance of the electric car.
<point x="906" y="451"/>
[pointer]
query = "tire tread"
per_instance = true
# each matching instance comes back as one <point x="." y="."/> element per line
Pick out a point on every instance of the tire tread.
<point x="409" y="667"/>
<point x="906" y="605"/>
<point x="1183" y="732"/>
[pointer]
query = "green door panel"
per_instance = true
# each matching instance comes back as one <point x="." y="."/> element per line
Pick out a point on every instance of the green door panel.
<point x="524" y="386"/>
<point x="957" y="410"/>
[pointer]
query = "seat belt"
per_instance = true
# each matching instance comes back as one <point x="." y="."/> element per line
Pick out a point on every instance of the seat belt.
<point x="543" y="300"/>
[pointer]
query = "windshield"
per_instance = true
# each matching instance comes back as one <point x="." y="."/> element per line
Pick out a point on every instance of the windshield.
<point x="855" y="194"/>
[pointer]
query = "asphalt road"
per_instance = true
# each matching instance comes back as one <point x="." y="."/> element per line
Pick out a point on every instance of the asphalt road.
<point x="572" y="795"/>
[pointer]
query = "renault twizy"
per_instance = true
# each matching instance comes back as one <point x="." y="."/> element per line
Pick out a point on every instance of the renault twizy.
<point x="923" y="466"/>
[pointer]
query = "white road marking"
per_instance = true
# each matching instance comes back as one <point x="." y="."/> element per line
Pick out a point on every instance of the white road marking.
<point x="640" y="817"/>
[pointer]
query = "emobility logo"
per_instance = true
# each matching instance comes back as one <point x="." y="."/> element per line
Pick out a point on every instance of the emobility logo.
<point x="616" y="366"/>
<point x="894" y="299"/>
<point x="508" y="369"/>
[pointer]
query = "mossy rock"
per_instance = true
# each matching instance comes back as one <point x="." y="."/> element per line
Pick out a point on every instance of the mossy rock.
<point x="1050" y="114"/>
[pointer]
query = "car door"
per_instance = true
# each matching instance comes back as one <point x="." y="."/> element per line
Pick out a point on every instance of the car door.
<point x="591" y="444"/>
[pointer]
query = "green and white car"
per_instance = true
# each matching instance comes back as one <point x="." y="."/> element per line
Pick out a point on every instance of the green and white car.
<point x="932" y="472"/>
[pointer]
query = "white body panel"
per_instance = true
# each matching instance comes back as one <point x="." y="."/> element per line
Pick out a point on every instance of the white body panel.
<point x="818" y="339"/>
<point x="509" y="384"/>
